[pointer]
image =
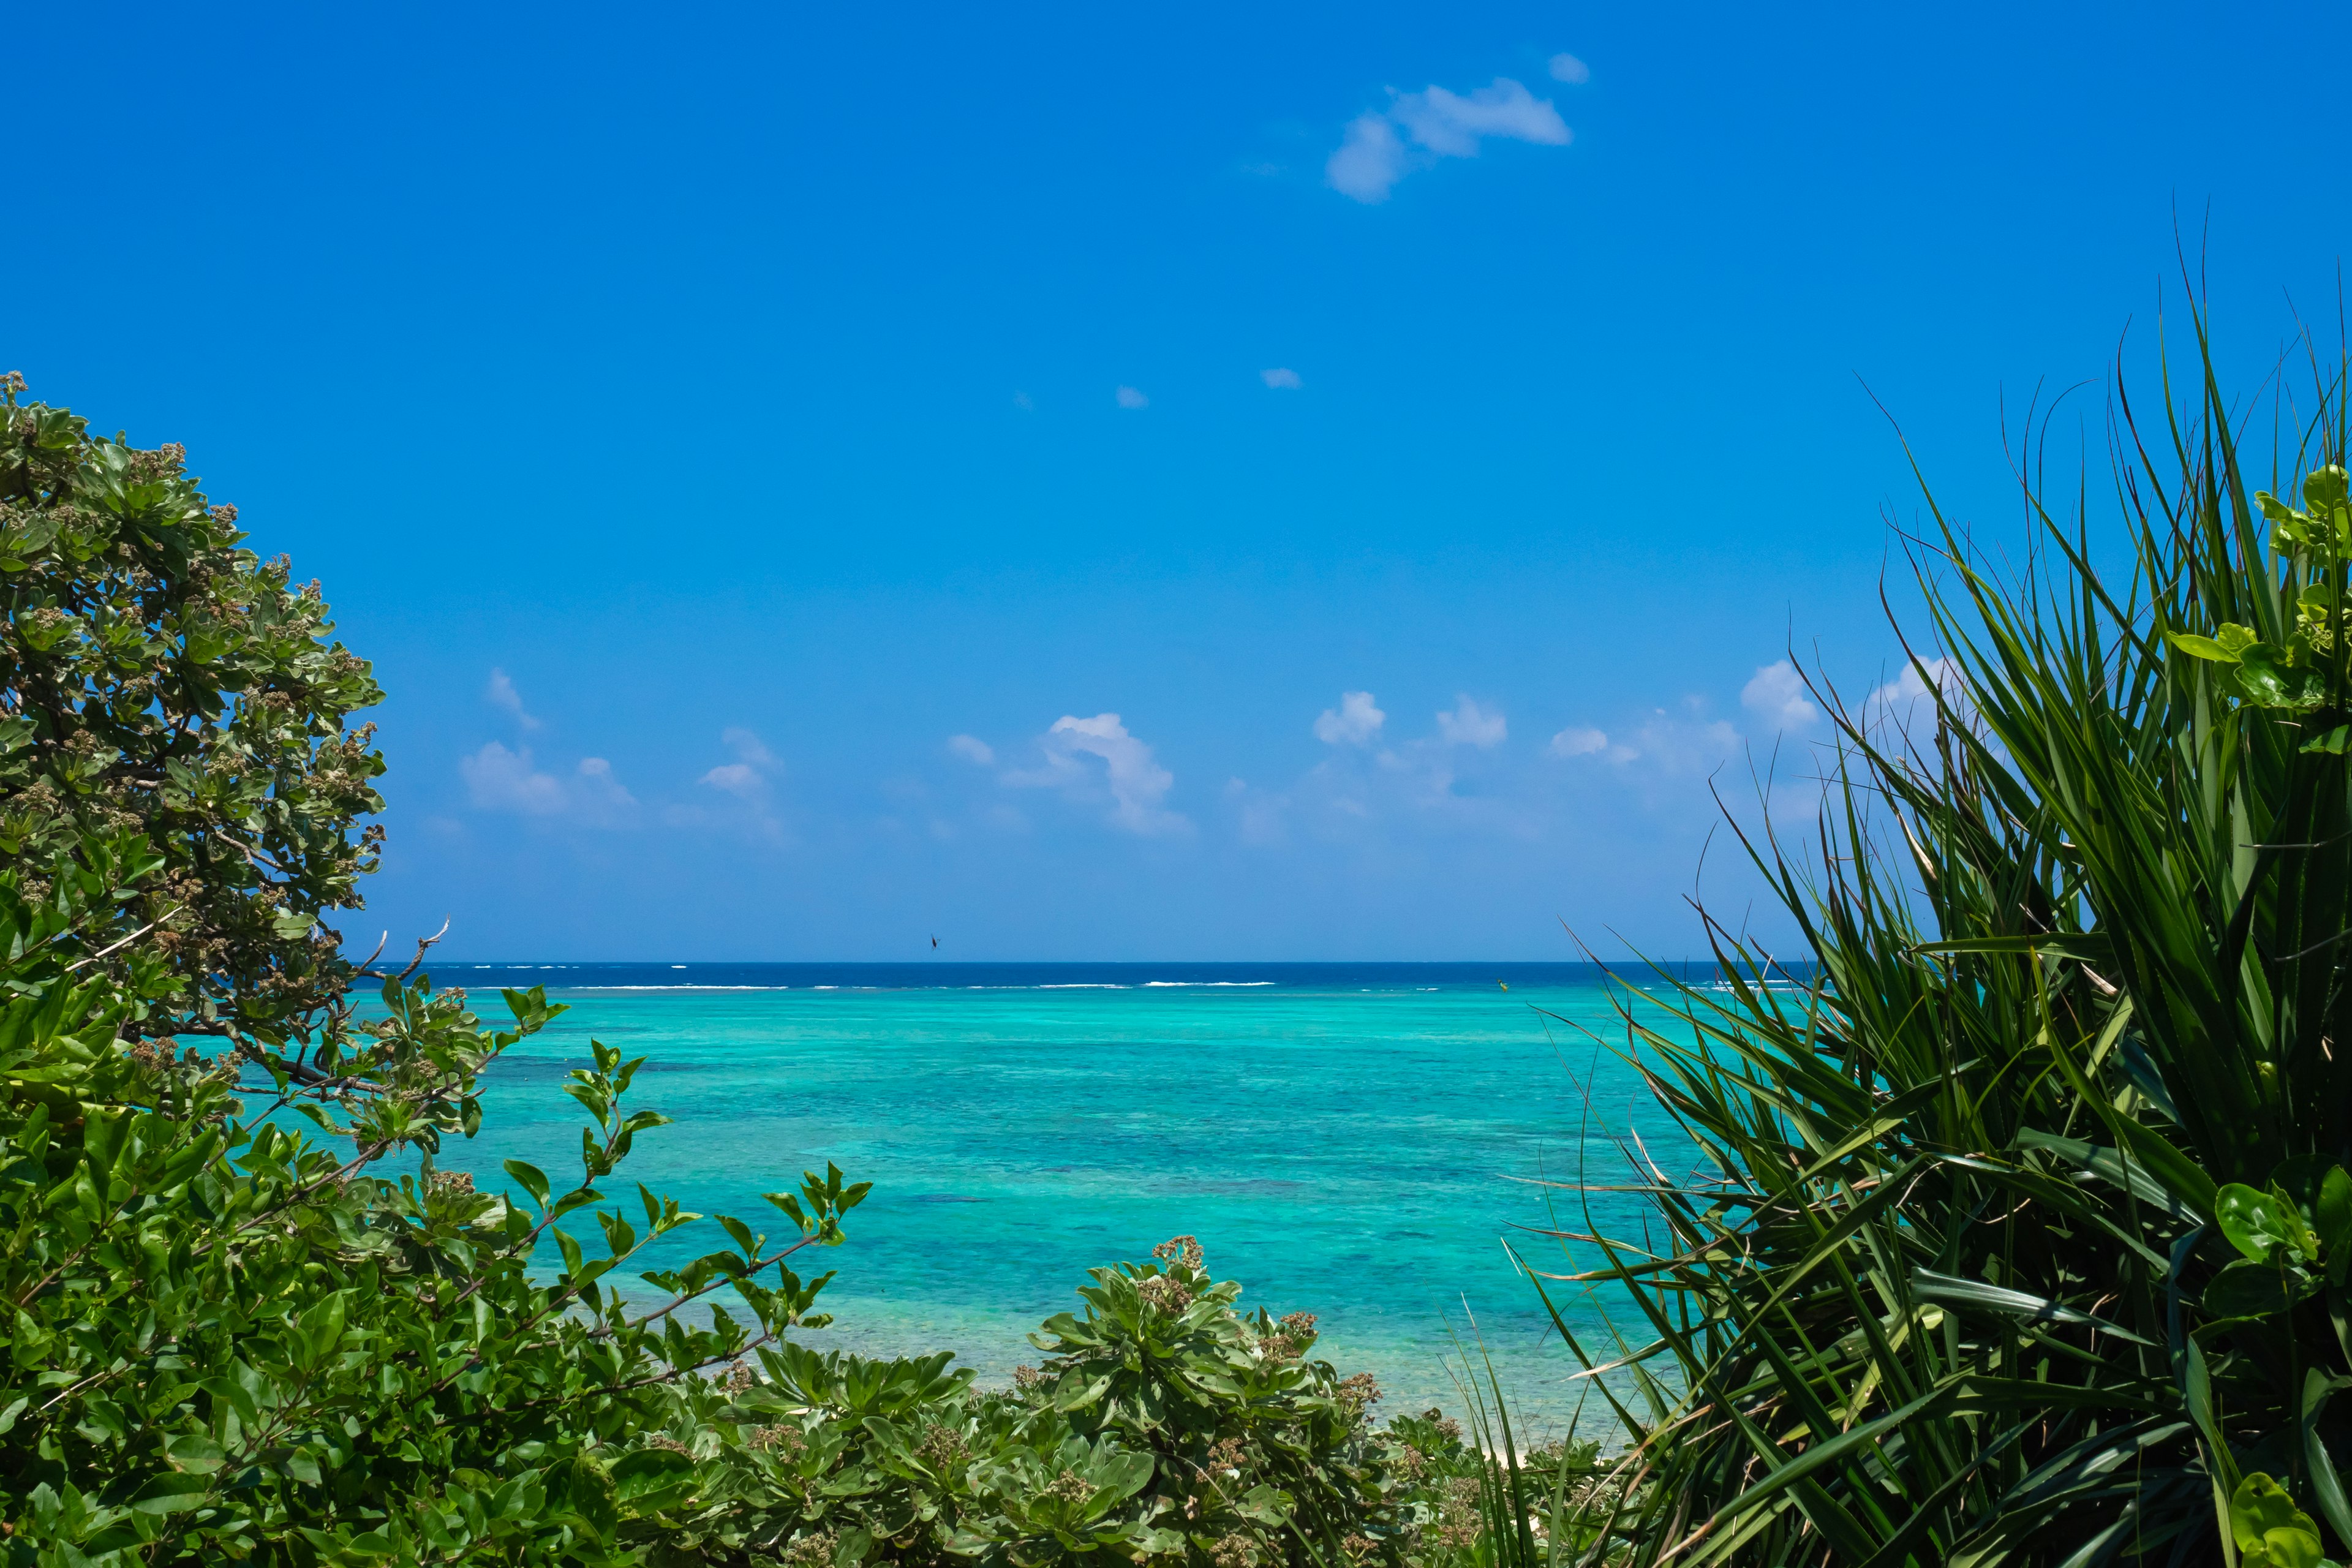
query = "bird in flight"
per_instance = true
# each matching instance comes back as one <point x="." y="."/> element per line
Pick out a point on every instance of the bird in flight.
<point x="935" y="942"/>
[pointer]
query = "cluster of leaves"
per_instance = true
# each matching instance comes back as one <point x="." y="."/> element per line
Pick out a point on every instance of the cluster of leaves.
<point x="2021" y="1224"/>
<point x="157" y="681"/>
<point x="1162" y="1423"/>
<point x="226" y="1341"/>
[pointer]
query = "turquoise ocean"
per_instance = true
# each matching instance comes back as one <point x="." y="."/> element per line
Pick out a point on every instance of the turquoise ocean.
<point x="1356" y="1141"/>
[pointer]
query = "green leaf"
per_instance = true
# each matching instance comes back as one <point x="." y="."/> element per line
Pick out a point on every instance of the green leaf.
<point x="2238" y="640"/>
<point x="171" y="1492"/>
<point x="197" y="1453"/>
<point x="2324" y="488"/>
<point x="2275" y="509"/>
<point x="2260" y="1224"/>
<point x="533" y="1180"/>
<point x="644" y="1473"/>
<point x="2196" y="647"/>
<point x="2268" y="1530"/>
<point x="2267" y="677"/>
<point x="2326" y="1484"/>
<point x="2249" y="1289"/>
<point x="1974" y="1295"/>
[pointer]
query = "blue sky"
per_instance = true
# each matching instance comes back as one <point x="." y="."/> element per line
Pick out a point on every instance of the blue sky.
<point x="812" y="479"/>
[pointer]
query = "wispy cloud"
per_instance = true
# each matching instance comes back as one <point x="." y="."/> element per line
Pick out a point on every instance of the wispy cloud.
<point x="500" y="693"/>
<point x="1581" y="741"/>
<point x="1355" y="722"/>
<point x="973" y="748"/>
<point x="1469" y="724"/>
<point x="1776" y="695"/>
<point x="1129" y="397"/>
<point x="1280" y="380"/>
<point x="1567" y="68"/>
<point x="598" y="791"/>
<point x="1675" y="742"/>
<point x="501" y="780"/>
<point x="1134" y="781"/>
<point x="1371" y="159"/>
<point x="750" y="780"/>
<point x="1436" y="123"/>
<point x="1685" y="742"/>
<point x="1455" y="777"/>
<point x="746" y="777"/>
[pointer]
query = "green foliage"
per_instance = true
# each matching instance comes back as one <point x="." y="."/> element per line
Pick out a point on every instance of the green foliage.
<point x="157" y="682"/>
<point x="1161" y="1424"/>
<point x="2024" y="1224"/>
<point x="229" y="1342"/>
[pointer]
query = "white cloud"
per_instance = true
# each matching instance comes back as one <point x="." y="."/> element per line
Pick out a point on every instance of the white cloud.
<point x="1354" y="722"/>
<point x="746" y="777"/>
<point x="1567" y="68"/>
<point x="500" y="693"/>
<point x="972" y="748"/>
<point x="738" y="779"/>
<point x="1776" y="695"/>
<point x="1371" y="158"/>
<point x="1129" y="397"/>
<point x="1467" y="724"/>
<point x="600" y="788"/>
<point x="499" y="780"/>
<point x="1136" y="782"/>
<point x="601" y="795"/>
<point x="1280" y="380"/>
<point x="749" y="779"/>
<point x="1577" y="742"/>
<point x="1451" y="125"/>
<point x="1687" y="744"/>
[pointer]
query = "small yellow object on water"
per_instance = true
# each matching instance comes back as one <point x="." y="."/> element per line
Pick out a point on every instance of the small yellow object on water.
<point x="1504" y="984"/>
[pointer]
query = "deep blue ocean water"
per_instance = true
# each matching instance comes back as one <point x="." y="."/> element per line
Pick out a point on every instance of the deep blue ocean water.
<point x="1358" y="1141"/>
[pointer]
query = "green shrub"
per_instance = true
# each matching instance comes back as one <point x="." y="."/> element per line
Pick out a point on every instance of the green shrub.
<point x="1162" y="1423"/>
<point x="2024" y="1221"/>
<point x="226" y="1341"/>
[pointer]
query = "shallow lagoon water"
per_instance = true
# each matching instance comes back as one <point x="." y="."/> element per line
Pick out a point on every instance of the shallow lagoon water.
<point x="1354" y="1141"/>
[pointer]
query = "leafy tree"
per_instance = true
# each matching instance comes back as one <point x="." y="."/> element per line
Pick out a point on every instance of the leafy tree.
<point x="159" y="681"/>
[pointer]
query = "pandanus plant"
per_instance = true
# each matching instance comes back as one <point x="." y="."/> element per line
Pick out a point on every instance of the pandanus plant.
<point x="2021" y="1225"/>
